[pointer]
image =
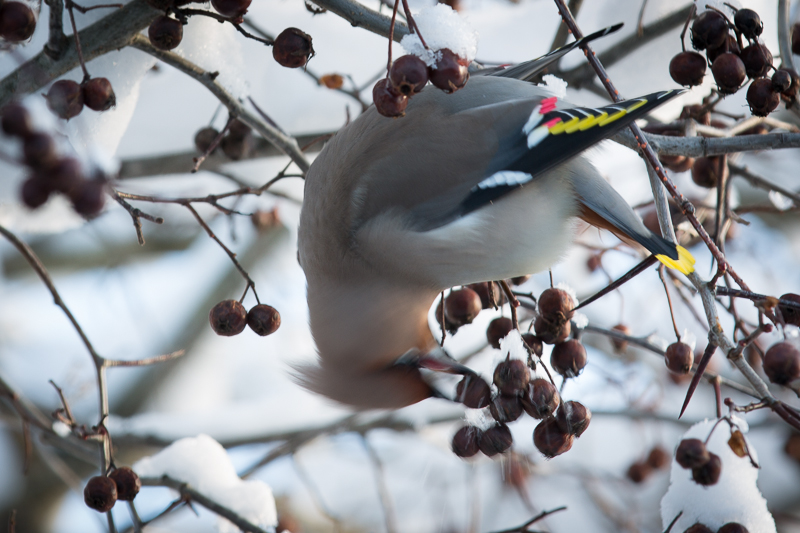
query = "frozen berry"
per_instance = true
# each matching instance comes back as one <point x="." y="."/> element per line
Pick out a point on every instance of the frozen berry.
<point x="100" y="494"/>
<point x="496" y="439"/>
<point x="620" y="345"/>
<point x="292" y="48"/>
<point x="708" y="474"/>
<point x="263" y="319"/>
<point x="497" y="330"/>
<point x="698" y="528"/>
<point x="692" y="453"/>
<point x="749" y="23"/>
<point x="729" y="73"/>
<point x="757" y="60"/>
<point x="568" y="358"/>
<point x="505" y="408"/>
<point x="65" y="99"/>
<point x="551" y="440"/>
<point x="17" y="21"/>
<point x="709" y="171"/>
<point x="388" y="101"/>
<point x="556" y="303"/>
<point x="89" y="197"/>
<point x="473" y="392"/>
<point x="781" y="81"/>
<point x="16" y="120"/>
<point x="128" y="483"/>
<point x="35" y="191"/>
<point x="465" y="441"/>
<point x="511" y="377"/>
<point x="449" y="73"/>
<point x="98" y="94"/>
<point x="235" y="147"/>
<point x="762" y="98"/>
<point x="165" y="32"/>
<point x="639" y="471"/>
<point x="733" y="527"/>
<point x="540" y="399"/>
<point x="233" y="9"/>
<point x="462" y="306"/>
<point x="204" y="138"/>
<point x="65" y="175"/>
<point x="791" y="315"/>
<point x="573" y="418"/>
<point x="679" y="357"/>
<point x="483" y="289"/>
<point x="39" y="150"/>
<point x="709" y="30"/>
<point x="533" y="344"/>
<point x="730" y="44"/>
<point x="409" y="74"/>
<point x="658" y="458"/>
<point x="228" y="318"/>
<point x="782" y="363"/>
<point x="688" y="68"/>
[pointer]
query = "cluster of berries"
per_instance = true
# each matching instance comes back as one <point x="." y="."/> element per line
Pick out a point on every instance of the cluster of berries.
<point x="50" y="172"/>
<point x="237" y="143"/>
<point x="229" y="317"/>
<point x="706" y="467"/>
<point x="166" y="32"/>
<point x="17" y="21"/>
<point x="66" y="98"/>
<point x="657" y="459"/>
<point x="102" y="492"/>
<point x="732" y="62"/>
<point x="409" y="75"/>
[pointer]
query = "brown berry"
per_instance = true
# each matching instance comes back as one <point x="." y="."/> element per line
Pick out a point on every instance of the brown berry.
<point x="762" y="98"/>
<point x="568" y="358"/>
<point x="782" y="363"/>
<point x="449" y="72"/>
<point x="128" y="483"/>
<point x="733" y="527"/>
<point x="465" y="441"/>
<point x="473" y="392"/>
<point x="497" y="330"/>
<point x="98" y="94"/>
<point x="17" y="21"/>
<point x="35" y="191"/>
<point x="165" y="32"/>
<point x="265" y="220"/>
<point x="462" y="306"/>
<point x="533" y="344"/>
<point x="709" y="30"/>
<point x="679" y="357"/>
<point x="781" y="81"/>
<point x="239" y="129"/>
<point x="697" y="112"/>
<point x="708" y="474"/>
<point x="620" y="345"/>
<point x="692" y="453"/>
<point x="496" y="439"/>
<point x="232" y="9"/>
<point x="540" y="399"/>
<point x="551" y="332"/>
<point x="757" y="60"/>
<point x="449" y="326"/>
<point x="511" y="377"/>
<point x="204" y="138"/>
<point x="89" y="197"/>
<point x="551" y="440"/>
<point x="100" y="494"/>
<point x="790" y="95"/>
<point x="482" y="289"/>
<point x="228" y="318"/>
<point x="505" y="408"/>
<point x="519" y="280"/>
<point x="573" y="418"/>
<point x="749" y="23"/>
<point x="792" y="446"/>
<point x="639" y="471"/>
<point x="730" y="44"/>
<point x="408" y="75"/>
<point x="65" y="176"/>
<point x="688" y="68"/>
<point x="236" y="147"/>
<point x="388" y="101"/>
<point x="39" y="150"/>
<point x="698" y="528"/>
<point x="65" y="99"/>
<point x="332" y="81"/>
<point x="264" y="319"/>
<point x="791" y="315"/>
<point x="729" y="73"/>
<point x="292" y="48"/>
<point x="556" y="304"/>
<point x="16" y="120"/>
<point x="658" y="458"/>
<point x="709" y="171"/>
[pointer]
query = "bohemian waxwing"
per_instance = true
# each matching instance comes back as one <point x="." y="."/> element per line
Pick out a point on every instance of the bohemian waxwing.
<point x="482" y="184"/>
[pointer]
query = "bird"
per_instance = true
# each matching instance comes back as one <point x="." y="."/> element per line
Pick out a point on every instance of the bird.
<point x="483" y="184"/>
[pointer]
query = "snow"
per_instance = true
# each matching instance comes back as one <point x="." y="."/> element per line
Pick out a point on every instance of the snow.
<point x="205" y="465"/>
<point x="555" y="85"/>
<point x="780" y="201"/>
<point x="512" y="346"/>
<point x="441" y="27"/>
<point x="734" y="498"/>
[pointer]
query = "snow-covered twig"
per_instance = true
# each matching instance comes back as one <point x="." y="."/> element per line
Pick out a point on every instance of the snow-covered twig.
<point x="360" y="16"/>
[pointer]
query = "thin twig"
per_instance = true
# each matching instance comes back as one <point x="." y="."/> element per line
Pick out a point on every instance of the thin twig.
<point x="383" y="489"/>
<point x="533" y="520"/>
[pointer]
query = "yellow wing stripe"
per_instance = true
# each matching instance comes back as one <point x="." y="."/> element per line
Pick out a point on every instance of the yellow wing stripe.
<point x="615" y="116"/>
<point x="684" y="264"/>
<point x="561" y="127"/>
<point x="590" y="121"/>
<point x="636" y="106"/>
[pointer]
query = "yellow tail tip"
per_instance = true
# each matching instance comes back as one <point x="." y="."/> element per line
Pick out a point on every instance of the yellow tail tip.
<point x="684" y="263"/>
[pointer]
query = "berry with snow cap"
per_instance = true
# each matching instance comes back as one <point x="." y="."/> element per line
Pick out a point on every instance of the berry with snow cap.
<point x="709" y="473"/>
<point x="408" y="74"/>
<point x="497" y="330"/>
<point x="449" y="73"/>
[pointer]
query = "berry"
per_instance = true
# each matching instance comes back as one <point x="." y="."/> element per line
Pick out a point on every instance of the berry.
<point x="709" y="171"/>
<point x="100" y="494"/>
<point x="790" y="94"/>
<point x="473" y="392"/>
<point x="128" y="483"/>
<point x="265" y="220"/>
<point x="696" y="111"/>
<point x="573" y="418"/>
<point x="462" y="306"/>
<point x="540" y="399"/>
<point x="730" y="44"/>
<point x="533" y="344"/>
<point x="551" y="440"/>
<point x="658" y="458"/>
<point x="165" y="33"/>
<point x="782" y="363"/>
<point x="729" y="72"/>
<point x="65" y="175"/>
<point x="792" y="446"/>
<point x="204" y="138"/>
<point x="408" y="75"/>
<point x="709" y="30"/>
<point x="35" y="191"/>
<point x="17" y="21"/>
<point x="239" y="129"/>
<point x="332" y="81"/>
<point x="519" y="280"/>
<point x="692" y="453"/>
<point x="228" y="318"/>
<point x="679" y="357"/>
<point x="465" y="441"/>
<point x="16" y="120"/>
<point x="551" y="333"/>
<point x="98" y="94"/>
<point x="89" y="197"/>
<point x="732" y="527"/>
<point x="233" y="9"/>
<point x="505" y="408"/>
<point x="449" y="73"/>
<point x="496" y="439"/>
<point x="762" y="98"/>
<point x="781" y="81"/>
<point x="483" y="289"/>
<point x="698" y="528"/>
<point x="688" y="68"/>
<point x="620" y="345"/>
<point x="639" y="471"/>
<point x="65" y="99"/>
<point x="749" y="23"/>
<point x="708" y="474"/>
<point x="39" y="150"/>
<point x="497" y="330"/>
<point x="757" y="60"/>
<point x="264" y="319"/>
<point x="791" y="315"/>
<point x="511" y="377"/>
<point x="449" y="326"/>
<point x="388" y="101"/>
<point x="292" y="48"/>
<point x="556" y="303"/>
<point x="236" y="147"/>
<point x="568" y="358"/>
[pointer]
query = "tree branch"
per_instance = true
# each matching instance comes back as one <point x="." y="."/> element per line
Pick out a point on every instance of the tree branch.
<point x="360" y="16"/>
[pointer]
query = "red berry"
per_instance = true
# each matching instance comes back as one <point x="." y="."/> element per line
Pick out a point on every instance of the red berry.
<point x="465" y="441"/>
<point x="688" y="68"/>
<point x="449" y="72"/>
<point x="782" y="363"/>
<point x="497" y="330"/>
<point x="791" y="315"/>
<point x="17" y="21"/>
<point x="128" y="483"/>
<point x="232" y="9"/>
<point x="388" y="101"/>
<point x="165" y="33"/>
<point x="709" y="30"/>
<point x="505" y="408"/>
<point x="568" y="358"/>
<point x="462" y="306"/>
<point x="762" y="98"/>
<point x="573" y="418"/>
<point x="65" y="99"/>
<point x="473" y="392"/>
<point x="228" y="318"/>
<point x="749" y="23"/>
<point x="692" y="453"/>
<point x="98" y="94"/>
<point x="100" y="494"/>
<point x="408" y="75"/>
<point x="35" y="191"/>
<point x="16" y="120"/>
<point x="551" y="440"/>
<point x="264" y="319"/>
<point x="89" y="197"/>
<point x="39" y="150"/>
<point x="709" y="473"/>
<point x="204" y="138"/>
<point x="496" y="439"/>
<point x="292" y="48"/>
<point x="679" y="357"/>
<point x="729" y="73"/>
<point x="540" y="399"/>
<point x="511" y="377"/>
<point x="697" y="112"/>
<point x="757" y="60"/>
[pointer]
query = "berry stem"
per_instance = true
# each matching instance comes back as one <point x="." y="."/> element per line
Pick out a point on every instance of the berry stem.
<point x="412" y="24"/>
<point x="661" y="269"/>
<point x="692" y="11"/>
<point x="389" y="62"/>
<point x="70" y="5"/>
<point x="213" y="146"/>
<point x="183" y="13"/>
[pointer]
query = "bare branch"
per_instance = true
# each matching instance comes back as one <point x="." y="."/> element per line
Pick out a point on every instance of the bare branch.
<point x="360" y="16"/>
